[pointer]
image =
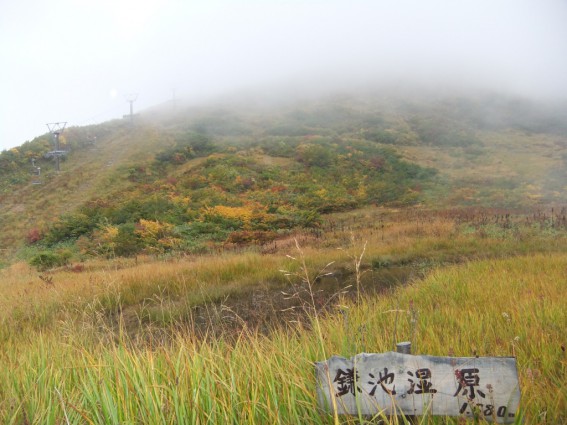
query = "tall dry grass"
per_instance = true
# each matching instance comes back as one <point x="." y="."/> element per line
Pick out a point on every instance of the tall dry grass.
<point x="489" y="308"/>
<point x="115" y="342"/>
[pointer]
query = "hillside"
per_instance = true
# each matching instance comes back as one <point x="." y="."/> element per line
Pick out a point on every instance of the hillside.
<point x="199" y="242"/>
<point x="195" y="179"/>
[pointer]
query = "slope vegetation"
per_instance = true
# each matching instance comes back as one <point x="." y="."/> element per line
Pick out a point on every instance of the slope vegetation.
<point x="196" y="179"/>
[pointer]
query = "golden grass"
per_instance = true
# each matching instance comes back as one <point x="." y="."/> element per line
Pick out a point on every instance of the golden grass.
<point x="511" y="168"/>
<point x="489" y="308"/>
<point x="422" y="240"/>
<point x="114" y="342"/>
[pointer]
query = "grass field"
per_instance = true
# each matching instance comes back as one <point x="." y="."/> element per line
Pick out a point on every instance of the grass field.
<point x="232" y="338"/>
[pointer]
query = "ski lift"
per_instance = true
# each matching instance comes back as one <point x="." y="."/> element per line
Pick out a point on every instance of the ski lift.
<point x="56" y="128"/>
<point x="35" y="172"/>
<point x="91" y="141"/>
<point x="55" y="154"/>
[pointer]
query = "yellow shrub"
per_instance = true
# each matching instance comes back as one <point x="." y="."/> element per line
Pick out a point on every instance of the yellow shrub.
<point x="245" y="213"/>
<point x="156" y="236"/>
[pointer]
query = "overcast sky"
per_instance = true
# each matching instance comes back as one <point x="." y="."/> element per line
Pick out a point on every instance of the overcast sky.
<point x="75" y="60"/>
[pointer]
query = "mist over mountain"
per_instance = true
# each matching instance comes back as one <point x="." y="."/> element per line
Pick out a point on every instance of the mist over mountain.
<point x="252" y="167"/>
<point x="80" y="69"/>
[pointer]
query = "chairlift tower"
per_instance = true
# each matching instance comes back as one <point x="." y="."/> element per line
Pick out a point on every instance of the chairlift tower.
<point x="131" y="98"/>
<point x="56" y="128"/>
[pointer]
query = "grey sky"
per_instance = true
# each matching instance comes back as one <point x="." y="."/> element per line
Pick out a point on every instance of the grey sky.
<point x="74" y="60"/>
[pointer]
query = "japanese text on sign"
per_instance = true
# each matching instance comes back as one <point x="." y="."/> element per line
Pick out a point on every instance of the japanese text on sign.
<point x="417" y="385"/>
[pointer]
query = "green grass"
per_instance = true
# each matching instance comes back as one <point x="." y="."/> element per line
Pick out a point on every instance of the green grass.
<point x="84" y="369"/>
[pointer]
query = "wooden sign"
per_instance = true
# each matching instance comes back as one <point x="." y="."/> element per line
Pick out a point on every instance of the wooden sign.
<point x="393" y="383"/>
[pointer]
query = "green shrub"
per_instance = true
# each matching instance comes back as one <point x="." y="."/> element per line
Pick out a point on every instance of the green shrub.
<point x="127" y="243"/>
<point x="45" y="260"/>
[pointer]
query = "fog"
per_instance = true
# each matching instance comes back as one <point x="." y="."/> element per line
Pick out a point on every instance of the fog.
<point x="75" y="61"/>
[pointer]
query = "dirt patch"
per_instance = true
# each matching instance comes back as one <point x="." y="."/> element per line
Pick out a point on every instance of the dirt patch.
<point x="263" y="309"/>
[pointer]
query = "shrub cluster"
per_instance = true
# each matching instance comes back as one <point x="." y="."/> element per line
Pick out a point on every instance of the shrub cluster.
<point x="241" y="197"/>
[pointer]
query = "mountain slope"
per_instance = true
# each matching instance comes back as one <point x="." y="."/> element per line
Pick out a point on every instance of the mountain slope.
<point x="191" y="178"/>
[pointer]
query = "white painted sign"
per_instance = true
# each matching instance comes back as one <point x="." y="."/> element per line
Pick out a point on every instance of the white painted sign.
<point x="393" y="383"/>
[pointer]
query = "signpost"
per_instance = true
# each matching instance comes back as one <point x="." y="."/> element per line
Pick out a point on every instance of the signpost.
<point x="394" y="383"/>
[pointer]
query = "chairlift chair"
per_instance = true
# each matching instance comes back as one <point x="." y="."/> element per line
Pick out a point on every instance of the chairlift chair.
<point x="35" y="170"/>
